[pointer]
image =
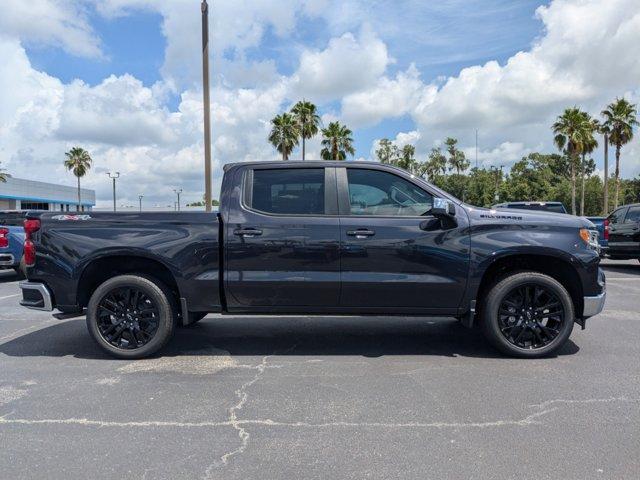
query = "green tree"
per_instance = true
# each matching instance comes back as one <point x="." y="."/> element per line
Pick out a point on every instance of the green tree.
<point x="306" y="116"/>
<point x="284" y="134"/>
<point x="79" y="162"/>
<point x="620" y="118"/>
<point x="407" y="159"/>
<point x="387" y="152"/>
<point x="457" y="160"/>
<point x="337" y="142"/>
<point x="435" y="165"/>
<point x="570" y="130"/>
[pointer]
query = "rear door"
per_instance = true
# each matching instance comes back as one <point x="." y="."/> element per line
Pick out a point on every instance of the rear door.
<point x="616" y="231"/>
<point x="282" y="240"/>
<point x="389" y="263"/>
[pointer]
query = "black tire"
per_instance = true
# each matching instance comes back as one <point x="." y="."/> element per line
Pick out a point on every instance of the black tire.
<point x="151" y="327"/>
<point x="511" y="332"/>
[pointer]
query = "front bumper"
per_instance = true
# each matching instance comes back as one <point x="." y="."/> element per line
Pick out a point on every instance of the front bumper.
<point x="36" y="296"/>
<point x="594" y="305"/>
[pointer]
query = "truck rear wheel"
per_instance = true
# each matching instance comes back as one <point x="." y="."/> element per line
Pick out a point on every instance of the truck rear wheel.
<point x="131" y="316"/>
<point x="528" y="315"/>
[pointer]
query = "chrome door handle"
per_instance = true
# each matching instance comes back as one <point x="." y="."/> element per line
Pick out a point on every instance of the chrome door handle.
<point x="247" y="232"/>
<point x="361" y="233"/>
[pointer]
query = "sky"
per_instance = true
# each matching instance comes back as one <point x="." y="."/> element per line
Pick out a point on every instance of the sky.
<point x="123" y="79"/>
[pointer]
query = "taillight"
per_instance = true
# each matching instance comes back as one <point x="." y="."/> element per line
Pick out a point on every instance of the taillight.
<point x="4" y="237"/>
<point x="606" y="229"/>
<point x="30" y="227"/>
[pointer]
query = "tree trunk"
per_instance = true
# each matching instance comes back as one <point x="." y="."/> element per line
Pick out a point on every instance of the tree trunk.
<point x="79" y="198"/>
<point x="573" y="185"/>
<point x="617" y="175"/>
<point x="606" y="175"/>
<point x="303" y="149"/>
<point x="582" y="187"/>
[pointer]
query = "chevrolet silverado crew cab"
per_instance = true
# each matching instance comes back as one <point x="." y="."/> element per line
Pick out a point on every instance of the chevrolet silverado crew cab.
<point x="321" y="238"/>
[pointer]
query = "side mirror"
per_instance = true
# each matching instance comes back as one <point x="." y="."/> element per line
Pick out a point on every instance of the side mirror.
<point x="443" y="208"/>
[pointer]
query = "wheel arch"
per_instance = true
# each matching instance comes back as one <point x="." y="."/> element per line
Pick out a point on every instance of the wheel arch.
<point x="107" y="266"/>
<point x="556" y="266"/>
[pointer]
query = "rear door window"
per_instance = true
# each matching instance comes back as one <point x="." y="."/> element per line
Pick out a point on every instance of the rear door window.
<point x="617" y="216"/>
<point x="633" y="215"/>
<point x="288" y="191"/>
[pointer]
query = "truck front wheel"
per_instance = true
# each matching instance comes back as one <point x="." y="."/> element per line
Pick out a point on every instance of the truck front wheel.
<point x="131" y="316"/>
<point x="528" y="315"/>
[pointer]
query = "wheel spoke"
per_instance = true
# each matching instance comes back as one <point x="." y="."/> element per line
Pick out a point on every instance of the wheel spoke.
<point x="127" y="318"/>
<point x="538" y="312"/>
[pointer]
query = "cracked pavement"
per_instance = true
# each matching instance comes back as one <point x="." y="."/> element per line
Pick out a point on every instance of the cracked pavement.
<point x="310" y="397"/>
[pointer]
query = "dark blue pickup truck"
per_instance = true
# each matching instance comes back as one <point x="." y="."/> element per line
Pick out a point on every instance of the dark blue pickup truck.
<point x="320" y="238"/>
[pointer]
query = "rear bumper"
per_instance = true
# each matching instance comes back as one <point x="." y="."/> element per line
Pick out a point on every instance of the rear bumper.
<point x="7" y="260"/>
<point x="36" y="296"/>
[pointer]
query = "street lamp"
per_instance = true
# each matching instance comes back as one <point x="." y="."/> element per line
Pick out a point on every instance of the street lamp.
<point x="140" y="197"/>
<point x="206" y="101"/>
<point x="114" y="176"/>
<point x="178" y="192"/>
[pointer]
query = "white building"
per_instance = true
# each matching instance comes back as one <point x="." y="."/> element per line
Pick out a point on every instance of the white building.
<point x="20" y="194"/>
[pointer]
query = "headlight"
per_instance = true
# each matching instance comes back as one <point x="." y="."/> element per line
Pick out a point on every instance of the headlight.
<point x="590" y="238"/>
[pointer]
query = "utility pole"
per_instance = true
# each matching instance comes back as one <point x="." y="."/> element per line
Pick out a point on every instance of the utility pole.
<point x="206" y="103"/>
<point x="114" y="176"/>
<point x="178" y="192"/>
<point x="140" y="197"/>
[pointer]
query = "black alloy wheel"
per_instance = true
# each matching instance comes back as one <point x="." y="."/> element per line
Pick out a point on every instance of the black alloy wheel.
<point x="531" y="316"/>
<point x="127" y="318"/>
<point x="131" y="316"/>
<point x="527" y="314"/>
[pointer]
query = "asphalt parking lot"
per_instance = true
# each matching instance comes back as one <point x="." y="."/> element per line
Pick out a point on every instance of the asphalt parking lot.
<point x="307" y="397"/>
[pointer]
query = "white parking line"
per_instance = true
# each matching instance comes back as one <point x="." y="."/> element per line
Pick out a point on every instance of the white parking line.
<point x="10" y="296"/>
<point x="631" y="279"/>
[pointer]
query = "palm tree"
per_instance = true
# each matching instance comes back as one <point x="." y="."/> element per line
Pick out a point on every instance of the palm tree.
<point x="336" y="142"/>
<point x="589" y="144"/>
<point x="457" y="160"/>
<point x="407" y="158"/>
<point x="570" y="130"/>
<point x="79" y="161"/>
<point x="305" y="115"/>
<point x="620" y="118"/>
<point x="284" y="134"/>
<point x="3" y="175"/>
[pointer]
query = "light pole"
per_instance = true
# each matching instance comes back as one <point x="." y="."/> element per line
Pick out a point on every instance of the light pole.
<point x="140" y="197"/>
<point x="178" y="192"/>
<point x="114" y="176"/>
<point x="206" y="101"/>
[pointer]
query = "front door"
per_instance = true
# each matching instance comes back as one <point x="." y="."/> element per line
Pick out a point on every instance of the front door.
<point x="616" y="232"/>
<point x="389" y="262"/>
<point x="282" y="241"/>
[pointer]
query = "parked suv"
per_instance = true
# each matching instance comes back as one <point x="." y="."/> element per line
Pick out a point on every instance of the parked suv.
<point x="622" y="230"/>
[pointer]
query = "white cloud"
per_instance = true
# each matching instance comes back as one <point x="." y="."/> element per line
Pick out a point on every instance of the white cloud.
<point x="55" y="23"/>
<point x="348" y="64"/>
<point x="389" y="98"/>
